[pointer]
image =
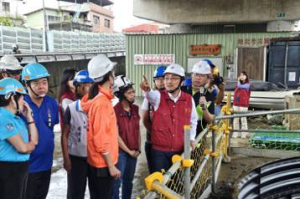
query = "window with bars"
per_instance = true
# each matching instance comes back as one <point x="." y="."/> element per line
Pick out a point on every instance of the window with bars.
<point x="5" y="6"/>
<point x="96" y="20"/>
<point x="53" y="18"/>
<point x="107" y="23"/>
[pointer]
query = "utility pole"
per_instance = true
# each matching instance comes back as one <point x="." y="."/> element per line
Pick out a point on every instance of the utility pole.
<point x="46" y="27"/>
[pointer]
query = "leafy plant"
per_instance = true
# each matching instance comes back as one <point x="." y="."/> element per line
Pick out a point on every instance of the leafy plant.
<point x="5" y="21"/>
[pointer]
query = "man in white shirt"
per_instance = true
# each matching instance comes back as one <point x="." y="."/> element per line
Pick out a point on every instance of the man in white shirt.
<point x="173" y="110"/>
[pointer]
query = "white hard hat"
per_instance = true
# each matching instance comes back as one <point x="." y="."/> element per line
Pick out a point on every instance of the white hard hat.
<point x="9" y="62"/>
<point x="99" y="66"/>
<point x="121" y="82"/>
<point x="175" y="69"/>
<point x="202" y="67"/>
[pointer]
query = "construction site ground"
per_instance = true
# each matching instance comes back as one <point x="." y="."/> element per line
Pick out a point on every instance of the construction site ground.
<point x="244" y="159"/>
<point x="230" y="173"/>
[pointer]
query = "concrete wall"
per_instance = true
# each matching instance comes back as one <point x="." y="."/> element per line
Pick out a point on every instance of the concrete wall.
<point x="103" y="14"/>
<point x="100" y="27"/>
<point x="15" y="8"/>
<point x="56" y="69"/>
<point x="36" y="20"/>
<point x="216" y="11"/>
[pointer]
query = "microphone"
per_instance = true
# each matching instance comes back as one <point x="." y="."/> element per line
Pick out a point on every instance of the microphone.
<point x="201" y="90"/>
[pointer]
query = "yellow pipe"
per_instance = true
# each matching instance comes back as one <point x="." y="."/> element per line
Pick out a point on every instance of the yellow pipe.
<point x="227" y="124"/>
<point x="165" y="191"/>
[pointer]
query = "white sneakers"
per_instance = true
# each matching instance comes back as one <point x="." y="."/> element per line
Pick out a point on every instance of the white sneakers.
<point x="238" y="121"/>
<point x="243" y="135"/>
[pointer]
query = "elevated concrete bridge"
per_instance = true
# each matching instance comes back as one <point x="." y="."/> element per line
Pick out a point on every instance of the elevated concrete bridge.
<point x="195" y="12"/>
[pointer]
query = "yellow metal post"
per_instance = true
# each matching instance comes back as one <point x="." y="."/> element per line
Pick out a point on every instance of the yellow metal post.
<point x="187" y="155"/>
<point x="227" y="128"/>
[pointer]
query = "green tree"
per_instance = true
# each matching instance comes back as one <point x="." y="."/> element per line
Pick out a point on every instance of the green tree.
<point x="5" y="21"/>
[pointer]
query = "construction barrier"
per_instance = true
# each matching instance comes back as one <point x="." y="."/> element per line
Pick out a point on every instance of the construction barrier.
<point x="194" y="174"/>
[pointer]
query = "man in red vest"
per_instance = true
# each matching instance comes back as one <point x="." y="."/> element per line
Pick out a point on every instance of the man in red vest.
<point x="173" y="110"/>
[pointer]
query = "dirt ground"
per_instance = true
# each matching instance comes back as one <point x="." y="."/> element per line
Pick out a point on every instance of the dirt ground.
<point x="229" y="176"/>
<point x="232" y="172"/>
<point x="141" y="170"/>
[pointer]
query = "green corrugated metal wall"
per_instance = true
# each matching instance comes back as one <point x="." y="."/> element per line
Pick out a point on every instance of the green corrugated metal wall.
<point x="178" y="44"/>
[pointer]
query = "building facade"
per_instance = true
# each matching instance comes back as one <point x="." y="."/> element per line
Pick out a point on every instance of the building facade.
<point x="70" y="16"/>
<point x="10" y="12"/>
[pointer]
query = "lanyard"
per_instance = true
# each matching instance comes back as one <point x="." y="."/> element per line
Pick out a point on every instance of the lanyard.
<point x="49" y="118"/>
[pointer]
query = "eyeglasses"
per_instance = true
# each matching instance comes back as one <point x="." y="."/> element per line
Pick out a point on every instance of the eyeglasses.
<point x="199" y="75"/>
<point x="159" y="79"/>
<point x="173" y="79"/>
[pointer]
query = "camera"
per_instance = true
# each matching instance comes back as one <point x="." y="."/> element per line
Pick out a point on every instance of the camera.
<point x="217" y="80"/>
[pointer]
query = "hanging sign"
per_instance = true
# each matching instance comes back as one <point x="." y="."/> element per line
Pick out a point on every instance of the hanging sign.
<point x="205" y="49"/>
<point x="154" y="59"/>
<point x="253" y="42"/>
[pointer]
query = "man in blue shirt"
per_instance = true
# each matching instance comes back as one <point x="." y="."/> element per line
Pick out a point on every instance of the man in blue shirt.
<point x="45" y="113"/>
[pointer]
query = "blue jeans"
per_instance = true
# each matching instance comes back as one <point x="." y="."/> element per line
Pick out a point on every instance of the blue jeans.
<point x="126" y="165"/>
<point x="218" y="109"/>
<point x="148" y="155"/>
<point x="162" y="160"/>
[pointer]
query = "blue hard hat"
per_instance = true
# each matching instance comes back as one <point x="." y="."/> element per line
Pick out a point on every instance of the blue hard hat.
<point x="82" y="77"/>
<point x="159" y="71"/>
<point x="11" y="86"/>
<point x="34" y="71"/>
<point x="187" y="82"/>
<point x="209" y="62"/>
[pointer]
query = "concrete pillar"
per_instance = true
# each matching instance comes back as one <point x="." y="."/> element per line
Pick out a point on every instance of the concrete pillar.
<point x="180" y="28"/>
<point x="279" y="26"/>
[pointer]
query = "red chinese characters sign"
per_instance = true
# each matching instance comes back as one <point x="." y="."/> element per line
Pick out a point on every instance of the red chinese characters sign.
<point x="253" y="42"/>
<point x="205" y="49"/>
<point x="154" y="59"/>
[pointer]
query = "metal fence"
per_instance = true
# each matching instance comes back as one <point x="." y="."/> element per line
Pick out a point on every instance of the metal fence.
<point x="212" y="145"/>
<point x="33" y="41"/>
<point x="62" y="41"/>
<point x="28" y="40"/>
<point x="183" y="180"/>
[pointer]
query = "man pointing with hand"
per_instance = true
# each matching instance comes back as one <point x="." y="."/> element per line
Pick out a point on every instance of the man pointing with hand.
<point x="173" y="110"/>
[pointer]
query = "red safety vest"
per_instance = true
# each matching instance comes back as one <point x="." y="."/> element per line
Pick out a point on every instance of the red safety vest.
<point x="129" y="127"/>
<point x="168" y="122"/>
<point x="241" y="97"/>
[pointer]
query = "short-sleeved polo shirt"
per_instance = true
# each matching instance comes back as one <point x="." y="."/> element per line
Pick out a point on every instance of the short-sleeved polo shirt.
<point x="11" y="125"/>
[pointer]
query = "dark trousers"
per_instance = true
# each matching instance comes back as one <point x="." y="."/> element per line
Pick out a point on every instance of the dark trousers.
<point x="148" y="155"/>
<point x="161" y="160"/>
<point x="38" y="185"/>
<point x="13" y="177"/>
<point x="77" y="178"/>
<point x="102" y="183"/>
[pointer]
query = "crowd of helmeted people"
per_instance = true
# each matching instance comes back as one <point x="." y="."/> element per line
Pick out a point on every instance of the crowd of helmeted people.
<point x="101" y="141"/>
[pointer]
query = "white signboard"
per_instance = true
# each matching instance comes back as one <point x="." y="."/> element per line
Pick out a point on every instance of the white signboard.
<point x="154" y="59"/>
<point x="218" y="62"/>
<point x="292" y="76"/>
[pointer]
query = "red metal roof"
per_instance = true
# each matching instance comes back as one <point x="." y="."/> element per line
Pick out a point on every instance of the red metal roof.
<point x="147" y="28"/>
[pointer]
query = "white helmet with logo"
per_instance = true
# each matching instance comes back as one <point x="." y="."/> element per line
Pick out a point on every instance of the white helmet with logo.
<point x="99" y="66"/>
<point x="121" y="82"/>
<point x="175" y="69"/>
<point x="202" y="67"/>
<point x="9" y="62"/>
